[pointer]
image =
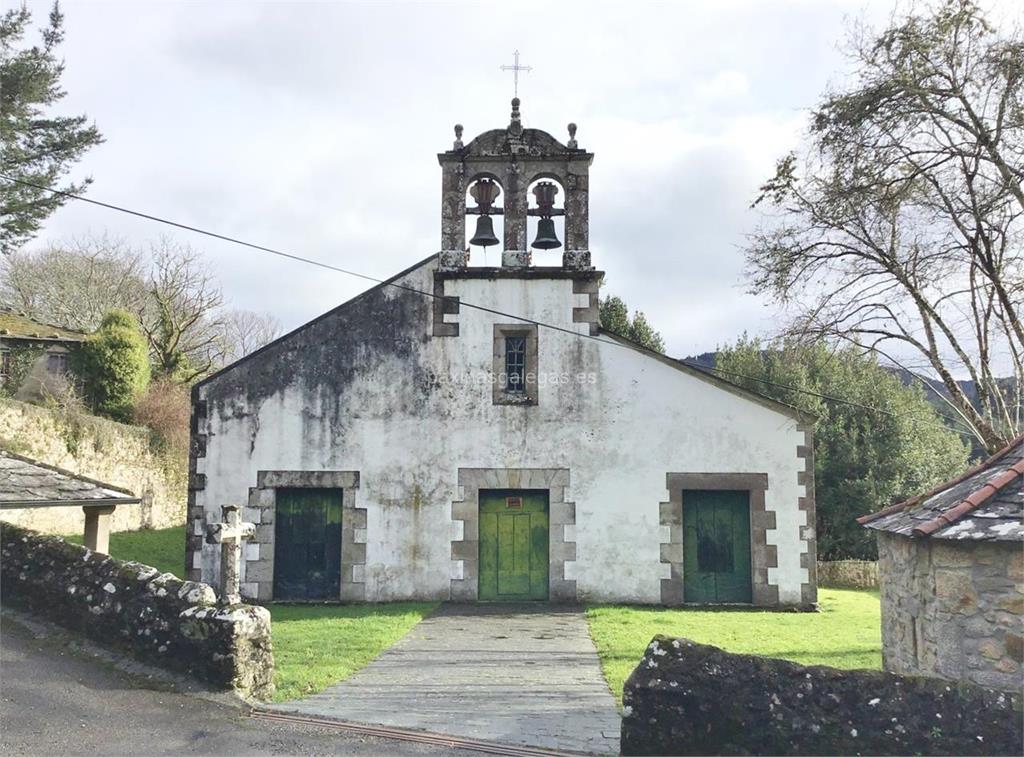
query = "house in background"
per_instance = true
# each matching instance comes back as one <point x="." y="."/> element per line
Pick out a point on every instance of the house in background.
<point x="951" y="571"/>
<point x="32" y="354"/>
<point x="471" y="433"/>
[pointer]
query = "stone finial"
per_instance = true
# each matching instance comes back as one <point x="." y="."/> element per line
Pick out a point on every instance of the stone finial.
<point x="457" y="145"/>
<point x="515" y="127"/>
<point x="572" y="137"/>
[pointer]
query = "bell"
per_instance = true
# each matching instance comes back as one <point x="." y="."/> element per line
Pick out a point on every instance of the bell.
<point x="484" y="236"/>
<point x="546" y="239"/>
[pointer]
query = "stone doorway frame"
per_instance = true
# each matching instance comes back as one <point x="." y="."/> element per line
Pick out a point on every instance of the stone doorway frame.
<point x="465" y="584"/>
<point x="762" y="554"/>
<point x="259" y="552"/>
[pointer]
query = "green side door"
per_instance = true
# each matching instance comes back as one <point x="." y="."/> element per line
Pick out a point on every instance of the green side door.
<point x="513" y="545"/>
<point x="307" y="544"/>
<point x="716" y="546"/>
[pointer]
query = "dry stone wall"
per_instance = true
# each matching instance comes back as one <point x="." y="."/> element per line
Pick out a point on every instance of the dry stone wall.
<point x="686" y="698"/>
<point x="953" y="609"/>
<point x="848" y="574"/>
<point x="154" y="616"/>
<point x="111" y="452"/>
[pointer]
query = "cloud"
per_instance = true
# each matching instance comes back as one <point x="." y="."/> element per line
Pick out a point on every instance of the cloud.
<point x="314" y="128"/>
<point x="724" y="85"/>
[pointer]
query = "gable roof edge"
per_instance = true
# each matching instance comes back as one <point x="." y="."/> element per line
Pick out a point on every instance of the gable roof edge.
<point x="352" y="301"/>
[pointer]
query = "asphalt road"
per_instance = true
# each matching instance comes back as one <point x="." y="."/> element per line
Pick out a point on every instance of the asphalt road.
<point x="56" y="699"/>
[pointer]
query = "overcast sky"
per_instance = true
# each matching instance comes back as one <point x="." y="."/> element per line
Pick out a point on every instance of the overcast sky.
<point x="314" y="128"/>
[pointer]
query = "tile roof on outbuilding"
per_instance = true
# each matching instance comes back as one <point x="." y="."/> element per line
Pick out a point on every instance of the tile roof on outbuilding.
<point x="28" y="483"/>
<point x="984" y="504"/>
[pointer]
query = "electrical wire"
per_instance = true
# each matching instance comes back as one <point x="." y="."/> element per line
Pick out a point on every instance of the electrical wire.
<point x="435" y="296"/>
<point x="828" y="397"/>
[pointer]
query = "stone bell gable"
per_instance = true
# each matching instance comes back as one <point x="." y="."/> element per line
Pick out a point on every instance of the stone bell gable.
<point x="515" y="157"/>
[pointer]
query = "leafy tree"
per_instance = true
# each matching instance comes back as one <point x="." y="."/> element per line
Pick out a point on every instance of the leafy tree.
<point x="35" y="145"/>
<point x="899" y="225"/>
<point x="864" y="460"/>
<point x="113" y="364"/>
<point x="614" y="315"/>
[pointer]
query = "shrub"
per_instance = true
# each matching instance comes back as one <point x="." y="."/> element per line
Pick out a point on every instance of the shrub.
<point x="165" y="409"/>
<point x="21" y="361"/>
<point x="113" y="364"/>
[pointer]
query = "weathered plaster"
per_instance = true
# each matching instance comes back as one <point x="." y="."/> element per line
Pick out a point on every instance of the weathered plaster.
<point x="369" y="387"/>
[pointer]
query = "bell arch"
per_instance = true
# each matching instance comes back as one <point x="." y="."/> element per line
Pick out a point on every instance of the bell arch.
<point x="484" y="216"/>
<point x="545" y="196"/>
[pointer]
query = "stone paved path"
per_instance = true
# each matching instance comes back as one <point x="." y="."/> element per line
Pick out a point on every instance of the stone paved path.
<point x="516" y="674"/>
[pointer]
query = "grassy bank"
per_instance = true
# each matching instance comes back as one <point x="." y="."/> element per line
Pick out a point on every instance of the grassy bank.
<point x="845" y="634"/>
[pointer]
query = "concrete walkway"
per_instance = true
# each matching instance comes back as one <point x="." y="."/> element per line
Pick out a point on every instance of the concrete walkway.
<point x="515" y="674"/>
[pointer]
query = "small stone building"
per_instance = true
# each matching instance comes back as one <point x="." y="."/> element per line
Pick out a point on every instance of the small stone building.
<point x="470" y="432"/>
<point x="33" y="355"/>
<point x="951" y="570"/>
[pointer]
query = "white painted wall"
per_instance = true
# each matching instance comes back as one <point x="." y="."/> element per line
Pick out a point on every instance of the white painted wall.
<point x="618" y="436"/>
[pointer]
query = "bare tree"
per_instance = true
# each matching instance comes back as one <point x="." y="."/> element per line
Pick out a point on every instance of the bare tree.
<point x="168" y="286"/>
<point x="244" y="332"/>
<point x="180" y="317"/>
<point x="900" y="225"/>
<point x="74" y="284"/>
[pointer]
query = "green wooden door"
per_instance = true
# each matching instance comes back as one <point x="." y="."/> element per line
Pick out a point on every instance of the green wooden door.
<point x="716" y="546"/>
<point x="513" y="545"/>
<point x="307" y="544"/>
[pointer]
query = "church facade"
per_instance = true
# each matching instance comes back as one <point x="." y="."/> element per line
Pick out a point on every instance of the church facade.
<point x="471" y="433"/>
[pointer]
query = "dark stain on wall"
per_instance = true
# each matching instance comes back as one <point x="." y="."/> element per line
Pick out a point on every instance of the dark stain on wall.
<point x="327" y="354"/>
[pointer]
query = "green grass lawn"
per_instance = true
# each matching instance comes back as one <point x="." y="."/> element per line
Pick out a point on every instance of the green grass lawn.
<point x="162" y="548"/>
<point x="845" y="634"/>
<point x="317" y="645"/>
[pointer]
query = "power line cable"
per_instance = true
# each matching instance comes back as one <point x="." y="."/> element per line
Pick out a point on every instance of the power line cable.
<point x="830" y="398"/>
<point x="431" y="295"/>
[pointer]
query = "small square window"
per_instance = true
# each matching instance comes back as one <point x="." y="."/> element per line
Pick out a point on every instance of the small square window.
<point x="57" y="363"/>
<point x="515" y="364"/>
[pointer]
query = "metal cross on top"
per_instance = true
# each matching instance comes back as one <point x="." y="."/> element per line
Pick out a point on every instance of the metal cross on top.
<point x="230" y="534"/>
<point x="515" y="68"/>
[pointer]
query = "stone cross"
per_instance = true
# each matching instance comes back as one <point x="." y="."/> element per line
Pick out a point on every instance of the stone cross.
<point x="230" y="533"/>
<point x="515" y="68"/>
